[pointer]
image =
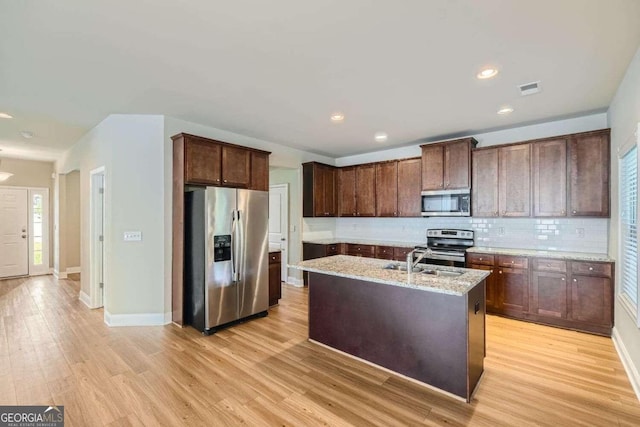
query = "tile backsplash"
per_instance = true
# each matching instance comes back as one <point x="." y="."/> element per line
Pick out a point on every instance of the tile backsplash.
<point x="560" y="234"/>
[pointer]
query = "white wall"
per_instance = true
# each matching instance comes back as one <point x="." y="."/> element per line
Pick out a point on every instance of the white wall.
<point x="623" y="116"/>
<point x="130" y="148"/>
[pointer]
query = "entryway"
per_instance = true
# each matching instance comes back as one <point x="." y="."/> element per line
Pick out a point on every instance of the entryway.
<point x="24" y="231"/>
<point x="279" y="223"/>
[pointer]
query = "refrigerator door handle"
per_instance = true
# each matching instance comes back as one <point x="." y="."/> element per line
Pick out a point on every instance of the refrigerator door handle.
<point x="241" y="254"/>
<point x="234" y="258"/>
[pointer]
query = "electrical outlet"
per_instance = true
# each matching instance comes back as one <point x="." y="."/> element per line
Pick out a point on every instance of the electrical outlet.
<point x="580" y="232"/>
<point x="132" y="236"/>
<point x="500" y="231"/>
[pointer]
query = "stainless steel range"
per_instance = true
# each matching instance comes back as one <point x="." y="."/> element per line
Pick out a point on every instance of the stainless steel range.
<point x="447" y="247"/>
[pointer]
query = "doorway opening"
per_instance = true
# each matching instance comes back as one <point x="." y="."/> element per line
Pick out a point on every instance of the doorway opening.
<point x="279" y="224"/>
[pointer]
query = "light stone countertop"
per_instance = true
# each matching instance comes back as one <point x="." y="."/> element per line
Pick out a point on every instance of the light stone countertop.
<point x="576" y="256"/>
<point x="372" y="270"/>
<point x="395" y="243"/>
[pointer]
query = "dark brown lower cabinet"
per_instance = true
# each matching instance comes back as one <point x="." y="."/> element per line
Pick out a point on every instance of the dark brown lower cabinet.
<point x="570" y="294"/>
<point x="275" y="276"/>
<point x="549" y="294"/>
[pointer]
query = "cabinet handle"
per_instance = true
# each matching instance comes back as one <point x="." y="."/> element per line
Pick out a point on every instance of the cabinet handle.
<point x="563" y="279"/>
<point x="590" y="268"/>
<point x="495" y="213"/>
<point x="575" y="280"/>
<point x="504" y="212"/>
<point x="573" y="212"/>
<point x="548" y="265"/>
<point x="563" y="212"/>
<point x="217" y="179"/>
<point x="500" y="272"/>
<point x="480" y="258"/>
<point x="513" y="262"/>
<point x="225" y="180"/>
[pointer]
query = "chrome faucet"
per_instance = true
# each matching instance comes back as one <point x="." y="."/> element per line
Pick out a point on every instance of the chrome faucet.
<point x="411" y="263"/>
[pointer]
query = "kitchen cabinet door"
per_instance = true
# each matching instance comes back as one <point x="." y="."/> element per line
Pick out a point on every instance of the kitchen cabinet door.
<point x="549" y="175"/>
<point x="400" y="254"/>
<point x="484" y="193"/>
<point x="432" y="167"/>
<point x="591" y="300"/>
<point x="387" y="189"/>
<point x="589" y="174"/>
<point x="324" y="190"/>
<point x="275" y="283"/>
<point x="384" y="252"/>
<point x="491" y="287"/>
<point x="347" y="191"/>
<point x="409" y="187"/>
<point x="513" y="284"/>
<point x="549" y="296"/>
<point x="366" y="190"/>
<point x="202" y="162"/>
<point x="457" y="165"/>
<point x="236" y="167"/>
<point x="259" y="171"/>
<point x="514" y="180"/>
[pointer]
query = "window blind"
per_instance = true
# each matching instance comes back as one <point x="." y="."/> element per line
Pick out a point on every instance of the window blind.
<point x="629" y="226"/>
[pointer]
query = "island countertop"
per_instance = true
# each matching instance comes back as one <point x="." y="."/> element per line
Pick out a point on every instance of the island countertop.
<point x="373" y="270"/>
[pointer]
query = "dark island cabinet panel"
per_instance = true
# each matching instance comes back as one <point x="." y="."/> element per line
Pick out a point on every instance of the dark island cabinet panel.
<point x="589" y="174"/>
<point x="549" y="175"/>
<point x="409" y="185"/>
<point x="484" y="193"/>
<point x="387" y="189"/>
<point x="491" y="288"/>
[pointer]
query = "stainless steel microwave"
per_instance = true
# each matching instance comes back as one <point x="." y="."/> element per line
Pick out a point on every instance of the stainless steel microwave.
<point x="446" y="203"/>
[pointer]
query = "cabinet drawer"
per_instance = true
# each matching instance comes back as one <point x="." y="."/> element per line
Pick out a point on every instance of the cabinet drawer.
<point x="384" y="252"/>
<point x="332" y="250"/>
<point x="513" y="261"/>
<point x="546" y="264"/>
<point x="274" y="257"/>
<point x="591" y="268"/>
<point x="480" y="259"/>
<point x="361" y="250"/>
<point x="400" y="254"/>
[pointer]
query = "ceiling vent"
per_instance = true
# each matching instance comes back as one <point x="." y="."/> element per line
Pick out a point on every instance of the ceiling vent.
<point x="529" y="88"/>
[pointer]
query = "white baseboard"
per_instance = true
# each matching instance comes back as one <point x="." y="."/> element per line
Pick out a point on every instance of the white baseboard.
<point x="299" y="283"/>
<point x="58" y="275"/>
<point x="142" y="319"/>
<point x="84" y="297"/>
<point x="71" y="270"/>
<point x="627" y="362"/>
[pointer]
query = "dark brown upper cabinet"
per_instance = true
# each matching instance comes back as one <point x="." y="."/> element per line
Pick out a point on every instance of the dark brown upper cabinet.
<point x="409" y="185"/>
<point x="514" y="184"/>
<point x="589" y="170"/>
<point x="210" y="162"/>
<point x="347" y="191"/>
<point x="446" y="165"/>
<point x="319" y="194"/>
<point x="484" y="192"/>
<point x="549" y="176"/>
<point x="387" y="189"/>
<point x="366" y="190"/>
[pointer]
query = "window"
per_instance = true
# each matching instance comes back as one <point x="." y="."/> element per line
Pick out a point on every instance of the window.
<point x="629" y="228"/>
<point x="37" y="229"/>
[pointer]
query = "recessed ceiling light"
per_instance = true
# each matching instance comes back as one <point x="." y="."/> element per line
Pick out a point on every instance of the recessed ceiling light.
<point x="337" y="117"/>
<point x="487" y="73"/>
<point x="5" y="116"/>
<point x="505" y="110"/>
<point x="26" y="134"/>
<point x="381" y="137"/>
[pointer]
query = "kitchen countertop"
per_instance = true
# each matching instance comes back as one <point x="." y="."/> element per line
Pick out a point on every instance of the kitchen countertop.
<point x="333" y="241"/>
<point x="579" y="256"/>
<point x="372" y="269"/>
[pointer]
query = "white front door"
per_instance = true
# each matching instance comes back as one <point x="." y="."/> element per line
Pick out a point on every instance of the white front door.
<point x="279" y="223"/>
<point x="14" y="242"/>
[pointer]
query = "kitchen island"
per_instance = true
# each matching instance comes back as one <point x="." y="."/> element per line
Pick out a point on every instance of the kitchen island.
<point x="430" y="329"/>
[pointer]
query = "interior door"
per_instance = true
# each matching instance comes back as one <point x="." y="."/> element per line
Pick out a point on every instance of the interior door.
<point x="14" y="242"/>
<point x="279" y="223"/>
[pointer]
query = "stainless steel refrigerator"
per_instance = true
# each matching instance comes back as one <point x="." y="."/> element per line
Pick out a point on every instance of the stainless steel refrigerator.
<point x="226" y="256"/>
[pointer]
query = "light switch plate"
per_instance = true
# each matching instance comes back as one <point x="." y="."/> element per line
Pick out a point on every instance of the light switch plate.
<point x="132" y="236"/>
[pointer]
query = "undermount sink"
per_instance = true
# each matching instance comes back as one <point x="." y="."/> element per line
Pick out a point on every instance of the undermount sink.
<point x="401" y="267"/>
<point x="442" y="273"/>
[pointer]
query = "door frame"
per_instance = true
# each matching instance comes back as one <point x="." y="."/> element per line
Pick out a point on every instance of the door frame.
<point x="284" y="217"/>
<point x="96" y="297"/>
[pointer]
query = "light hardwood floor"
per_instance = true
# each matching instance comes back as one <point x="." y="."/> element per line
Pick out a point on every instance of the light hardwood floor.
<point x="55" y="350"/>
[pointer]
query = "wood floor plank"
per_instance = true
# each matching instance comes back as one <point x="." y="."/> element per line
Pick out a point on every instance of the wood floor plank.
<point x="53" y="349"/>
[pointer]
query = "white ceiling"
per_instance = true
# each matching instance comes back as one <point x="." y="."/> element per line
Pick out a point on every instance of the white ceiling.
<point x="276" y="70"/>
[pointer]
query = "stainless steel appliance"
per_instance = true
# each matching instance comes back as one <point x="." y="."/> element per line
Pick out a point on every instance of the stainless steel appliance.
<point x="446" y="247"/>
<point x="226" y="256"/>
<point x="446" y="203"/>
